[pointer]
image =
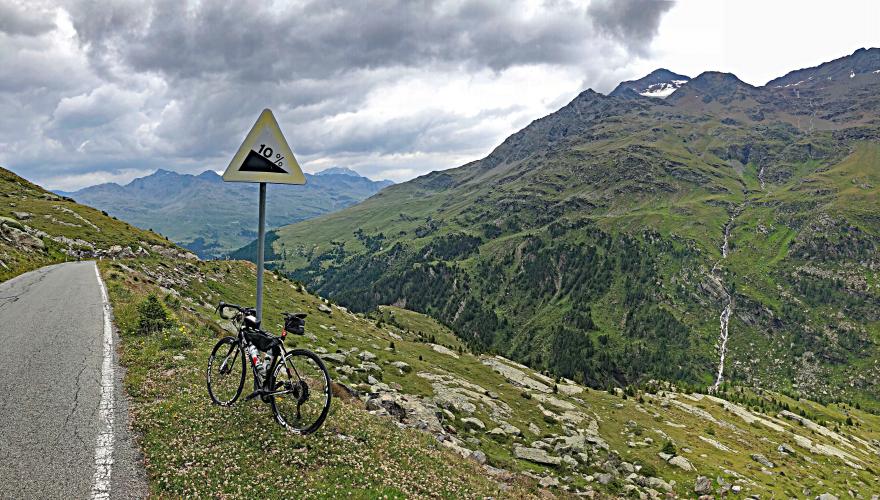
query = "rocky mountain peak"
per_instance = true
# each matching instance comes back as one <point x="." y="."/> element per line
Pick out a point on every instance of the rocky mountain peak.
<point x="711" y="85"/>
<point x="863" y="62"/>
<point x="658" y="83"/>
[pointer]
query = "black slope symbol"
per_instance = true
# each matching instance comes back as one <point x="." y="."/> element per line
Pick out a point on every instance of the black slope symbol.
<point x="256" y="162"/>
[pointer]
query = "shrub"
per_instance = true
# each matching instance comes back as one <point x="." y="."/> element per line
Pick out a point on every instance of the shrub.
<point x="669" y="448"/>
<point x="649" y="470"/>
<point x="152" y="316"/>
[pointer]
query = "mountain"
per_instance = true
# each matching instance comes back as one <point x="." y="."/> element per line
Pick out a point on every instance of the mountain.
<point x="212" y="217"/>
<point x="659" y="83"/>
<point x="728" y="233"/>
<point x="39" y="228"/>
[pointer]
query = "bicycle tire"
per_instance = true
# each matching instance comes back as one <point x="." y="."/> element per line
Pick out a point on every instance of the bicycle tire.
<point x="234" y="353"/>
<point x="301" y="359"/>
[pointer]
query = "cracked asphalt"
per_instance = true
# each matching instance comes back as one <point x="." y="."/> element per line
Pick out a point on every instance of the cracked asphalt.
<point x="51" y="329"/>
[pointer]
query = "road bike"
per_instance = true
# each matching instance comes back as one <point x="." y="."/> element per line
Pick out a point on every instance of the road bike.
<point x="295" y="383"/>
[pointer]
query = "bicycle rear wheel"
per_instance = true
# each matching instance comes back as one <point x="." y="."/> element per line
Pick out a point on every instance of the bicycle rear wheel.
<point x="304" y="386"/>
<point x="226" y="371"/>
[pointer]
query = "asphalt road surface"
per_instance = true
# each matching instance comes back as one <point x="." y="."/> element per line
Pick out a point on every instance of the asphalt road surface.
<point x="62" y="433"/>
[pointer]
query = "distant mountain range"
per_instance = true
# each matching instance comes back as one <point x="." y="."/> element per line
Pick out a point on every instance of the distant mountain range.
<point x="212" y="217"/>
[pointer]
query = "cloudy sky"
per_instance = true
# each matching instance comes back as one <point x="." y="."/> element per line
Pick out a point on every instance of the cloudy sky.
<point x="94" y="93"/>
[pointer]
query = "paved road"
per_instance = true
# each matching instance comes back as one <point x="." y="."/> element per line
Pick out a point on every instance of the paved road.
<point x="57" y="439"/>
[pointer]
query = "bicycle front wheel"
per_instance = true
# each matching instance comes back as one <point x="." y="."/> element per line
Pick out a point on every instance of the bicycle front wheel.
<point x="226" y="371"/>
<point x="302" y="397"/>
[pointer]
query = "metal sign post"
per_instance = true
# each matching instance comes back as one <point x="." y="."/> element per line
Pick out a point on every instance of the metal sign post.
<point x="261" y="247"/>
<point x="264" y="157"/>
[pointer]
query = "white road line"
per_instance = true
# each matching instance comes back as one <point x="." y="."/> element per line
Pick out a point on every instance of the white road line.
<point x="104" y="445"/>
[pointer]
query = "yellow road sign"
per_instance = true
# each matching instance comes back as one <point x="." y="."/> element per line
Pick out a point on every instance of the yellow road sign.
<point x="264" y="156"/>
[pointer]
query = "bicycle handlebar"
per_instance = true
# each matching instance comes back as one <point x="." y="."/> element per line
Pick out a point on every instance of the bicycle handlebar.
<point x="222" y="306"/>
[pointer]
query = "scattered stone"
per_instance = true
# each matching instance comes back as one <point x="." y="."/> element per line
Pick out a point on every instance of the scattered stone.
<point x="534" y="429"/>
<point x="569" y="461"/>
<point x="22" y="215"/>
<point x="478" y="456"/>
<point x="664" y="456"/>
<point x="366" y="356"/>
<point x="444" y="350"/>
<point x="473" y="424"/>
<point x="549" y="481"/>
<point x="681" y="462"/>
<point x="535" y="455"/>
<point x="178" y="357"/>
<point x="334" y="358"/>
<point x="369" y="367"/>
<point x="703" y="485"/>
<point x="761" y="459"/>
<point x="736" y="488"/>
<point x="604" y="478"/>
<point x="402" y="366"/>
<point x="826" y="496"/>
<point x="784" y="448"/>
<point x="324" y="308"/>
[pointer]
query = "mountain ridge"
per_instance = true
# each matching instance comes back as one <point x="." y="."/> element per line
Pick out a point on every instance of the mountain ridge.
<point x="623" y="229"/>
<point x="211" y="217"/>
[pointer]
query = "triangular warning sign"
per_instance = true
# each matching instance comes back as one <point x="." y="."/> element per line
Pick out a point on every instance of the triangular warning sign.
<point x="264" y="156"/>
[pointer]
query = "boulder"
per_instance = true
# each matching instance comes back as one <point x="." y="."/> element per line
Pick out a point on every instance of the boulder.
<point x="473" y="423"/>
<point x="366" y="356"/>
<point x="444" y="350"/>
<point x="478" y="457"/>
<point x="535" y="455"/>
<point x="703" y="485"/>
<point x="325" y="308"/>
<point x="761" y="459"/>
<point x="334" y="358"/>
<point x="682" y="463"/>
<point x="402" y="366"/>
<point x="826" y="496"/>
<point x="604" y="478"/>
<point x="369" y="367"/>
<point x="548" y="481"/>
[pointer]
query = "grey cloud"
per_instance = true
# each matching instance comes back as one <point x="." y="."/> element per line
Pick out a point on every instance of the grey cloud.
<point x="28" y="19"/>
<point x="253" y="41"/>
<point x="632" y="22"/>
<point x="175" y="84"/>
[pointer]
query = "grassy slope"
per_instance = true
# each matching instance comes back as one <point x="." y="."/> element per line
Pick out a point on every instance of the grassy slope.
<point x="196" y="449"/>
<point x="57" y="217"/>
<point x="190" y="444"/>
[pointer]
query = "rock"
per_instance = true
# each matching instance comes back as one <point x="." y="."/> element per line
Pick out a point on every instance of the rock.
<point x="784" y="448"/>
<point x="736" y="488"/>
<point x="478" y="457"/>
<point x="510" y="429"/>
<point x="826" y="496"/>
<point x="22" y="215"/>
<point x="604" y="478"/>
<point x="366" y="356"/>
<point x="658" y="484"/>
<point x="534" y="429"/>
<point x="664" y="456"/>
<point x="681" y="462"/>
<point x="324" y="308"/>
<point x="515" y="376"/>
<point x="178" y="357"/>
<point x="334" y="358"/>
<point x="497" y="433"/>
<point x="703" y="485"/>
<point x="402" y="366"/>
<point x="473" y="424"/>
<point x="369" y="367"/>
<point x="20" y="239"/>
<point x="372" y="380"/>
<point x="535" y="455"/>
<point x="548" y="481"/>
<point x="570" y="390"/>
<point x="444" y="350"/>
<point x="569" y="461"/>
<point x="761" y="459"/>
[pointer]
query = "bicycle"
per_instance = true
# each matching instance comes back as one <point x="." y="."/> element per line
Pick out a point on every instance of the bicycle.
<point x="295" y="383"/>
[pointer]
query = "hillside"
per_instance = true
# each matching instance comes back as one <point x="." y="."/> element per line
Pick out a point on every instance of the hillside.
<point x="413" y="403"/>
<point x="211" y="217"/>
<point x="725" y="233"/>
<point x="39" y="228"/>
